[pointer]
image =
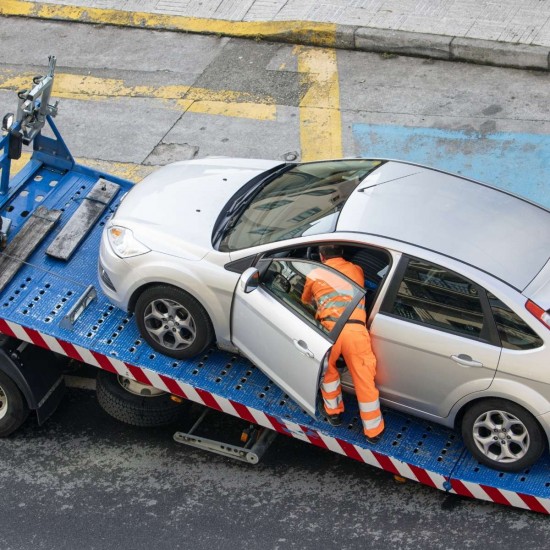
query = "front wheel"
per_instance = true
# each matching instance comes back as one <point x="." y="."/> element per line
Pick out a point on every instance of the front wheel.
<point x="502" y="435"/>
<point x="173" y="322"/>
<point x="13" y="407"/>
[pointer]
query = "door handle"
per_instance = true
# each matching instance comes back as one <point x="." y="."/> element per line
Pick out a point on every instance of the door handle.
<point x="466" y="361"/>
<point x="302" y="348"/>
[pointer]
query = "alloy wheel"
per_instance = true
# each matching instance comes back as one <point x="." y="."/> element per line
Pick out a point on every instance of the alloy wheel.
<point x="501" y="436"/>
<point x="170" y="324"/>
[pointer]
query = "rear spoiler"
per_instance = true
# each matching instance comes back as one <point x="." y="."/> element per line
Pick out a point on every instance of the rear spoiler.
<point x="538" y="289"/>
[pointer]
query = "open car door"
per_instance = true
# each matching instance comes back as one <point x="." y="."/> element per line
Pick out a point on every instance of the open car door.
<point x="279" y="333"/>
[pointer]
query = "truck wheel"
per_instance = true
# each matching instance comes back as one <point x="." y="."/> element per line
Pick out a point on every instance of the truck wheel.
<point x="13" y="407"/>
<point x="173" y="322"/>
<point x="502" y="435"/>
<point x="134" y="403"/>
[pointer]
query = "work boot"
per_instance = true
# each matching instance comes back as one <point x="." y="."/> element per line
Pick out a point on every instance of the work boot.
<point x="333" y="419"/>
<point x="374" y="440"/>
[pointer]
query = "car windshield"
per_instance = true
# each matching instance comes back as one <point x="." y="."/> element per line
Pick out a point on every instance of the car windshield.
<point x="305" y="200"/>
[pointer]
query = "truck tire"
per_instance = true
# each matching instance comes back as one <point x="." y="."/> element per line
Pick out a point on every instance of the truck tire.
<point x="137" y="404"/>
<point x="13" y="407"/>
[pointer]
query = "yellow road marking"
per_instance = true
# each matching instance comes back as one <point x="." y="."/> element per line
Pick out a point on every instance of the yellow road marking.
<point x="320" y="119"/>
<point x="186" y="98"/>
<point x="319" y="34"/>
<point x="241" y="110"/>
<point x="75" y="86"/>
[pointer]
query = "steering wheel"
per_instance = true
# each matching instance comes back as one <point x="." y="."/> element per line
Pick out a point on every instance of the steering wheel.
<point x="312" y="253"/>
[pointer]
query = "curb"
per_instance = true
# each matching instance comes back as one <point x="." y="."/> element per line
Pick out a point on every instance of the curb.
<point x="307" y="33"/>
<point x="452" y="48"/>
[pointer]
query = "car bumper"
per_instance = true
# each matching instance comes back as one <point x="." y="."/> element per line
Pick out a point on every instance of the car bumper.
<point x="113" y="274"/>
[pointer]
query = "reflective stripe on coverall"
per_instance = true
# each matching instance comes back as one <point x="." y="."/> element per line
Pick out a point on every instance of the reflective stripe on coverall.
<point x="353" y="344"/>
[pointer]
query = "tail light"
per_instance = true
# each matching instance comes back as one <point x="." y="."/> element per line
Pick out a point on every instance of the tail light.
<point x="538" y="312"/>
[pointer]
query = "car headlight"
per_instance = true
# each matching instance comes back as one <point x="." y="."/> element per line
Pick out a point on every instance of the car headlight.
<point x="124" y="243"/>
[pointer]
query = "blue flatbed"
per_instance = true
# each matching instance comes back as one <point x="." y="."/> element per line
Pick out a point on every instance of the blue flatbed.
<point x="35" y="303"/>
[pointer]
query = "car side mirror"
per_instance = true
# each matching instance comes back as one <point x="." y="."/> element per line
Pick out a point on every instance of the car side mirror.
<point x="250" y="280"/>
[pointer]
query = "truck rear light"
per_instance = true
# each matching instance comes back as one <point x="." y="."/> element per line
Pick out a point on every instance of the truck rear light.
<point x="538" y="312"/>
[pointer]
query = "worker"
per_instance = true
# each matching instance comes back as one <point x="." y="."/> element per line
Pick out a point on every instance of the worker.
<point x="353" y="342"/>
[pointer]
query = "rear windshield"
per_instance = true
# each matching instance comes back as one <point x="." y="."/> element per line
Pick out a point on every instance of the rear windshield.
<point x="305" y="200"/>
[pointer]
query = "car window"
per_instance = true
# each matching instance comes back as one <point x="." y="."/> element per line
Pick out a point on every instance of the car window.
<point x="513" y="331"/>
<point x="304" y="200"/>
<point x="434" y="296"/>
<point x="374" y="261"/>
<point x="287" y="278"/>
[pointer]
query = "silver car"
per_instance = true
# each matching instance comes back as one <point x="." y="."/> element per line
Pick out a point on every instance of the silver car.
<point x="457" y="284"/>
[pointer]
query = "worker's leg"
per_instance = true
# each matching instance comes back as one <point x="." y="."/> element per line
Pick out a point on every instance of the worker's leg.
<point x="331" y="389"/>
<point x="361" y="363"/>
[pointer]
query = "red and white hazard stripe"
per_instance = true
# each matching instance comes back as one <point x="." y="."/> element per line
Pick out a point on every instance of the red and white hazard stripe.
<point x="286" y="427"/>
<point x="501" y="496"/>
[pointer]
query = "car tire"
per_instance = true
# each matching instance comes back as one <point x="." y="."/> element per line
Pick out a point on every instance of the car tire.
<point x="13" y="407"/>
<point x="136" y="404"/>
<point x="173" y="322"/>
<point x="502" y="435"/>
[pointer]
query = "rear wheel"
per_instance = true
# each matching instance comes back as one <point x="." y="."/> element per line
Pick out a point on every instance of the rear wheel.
<point x="173" y="322"/>
<point x="13" y="407"/>
<point x="135" y="403"/>
<point x="502" y="435"/>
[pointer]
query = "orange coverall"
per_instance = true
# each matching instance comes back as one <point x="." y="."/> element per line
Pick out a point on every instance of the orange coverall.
<point x="353" y="343"/>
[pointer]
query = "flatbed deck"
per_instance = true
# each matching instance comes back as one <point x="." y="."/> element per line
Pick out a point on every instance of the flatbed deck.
<point x="36" y="300"/>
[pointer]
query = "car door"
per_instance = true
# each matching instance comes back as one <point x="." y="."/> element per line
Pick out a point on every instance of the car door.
<point x="433" y="338"/>
<point x="278" y="332"/>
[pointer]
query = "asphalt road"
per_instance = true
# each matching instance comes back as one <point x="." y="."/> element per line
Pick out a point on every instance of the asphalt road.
<point x="86" y="481"/>
<point x="134" y="99"/>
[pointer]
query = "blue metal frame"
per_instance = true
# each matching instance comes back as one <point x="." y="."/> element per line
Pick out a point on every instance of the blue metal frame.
<point x="5" y="165"/>
<point x="51" y="152"/>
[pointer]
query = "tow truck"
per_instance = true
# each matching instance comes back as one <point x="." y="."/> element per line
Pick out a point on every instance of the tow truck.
<point x="53" y="212"/>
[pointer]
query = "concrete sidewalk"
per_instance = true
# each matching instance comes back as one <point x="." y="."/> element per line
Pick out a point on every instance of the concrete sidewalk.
<point x="512" y="33"/>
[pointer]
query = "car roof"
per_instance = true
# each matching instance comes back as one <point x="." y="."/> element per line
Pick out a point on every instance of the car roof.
<point x="490" y="229"/>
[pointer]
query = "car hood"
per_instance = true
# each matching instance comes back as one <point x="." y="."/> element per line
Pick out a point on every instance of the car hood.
<point x="174" y="209"/>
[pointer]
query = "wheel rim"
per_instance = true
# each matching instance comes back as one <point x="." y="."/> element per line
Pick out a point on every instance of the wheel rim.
<point x="501" y="436"/>
<point x="3" y="403"/>
<point x="170" y="324"/>
<point x="137" y="388"/>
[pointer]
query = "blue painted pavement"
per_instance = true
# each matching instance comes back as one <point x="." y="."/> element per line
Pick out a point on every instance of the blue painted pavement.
<point x="516" y="162"/>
